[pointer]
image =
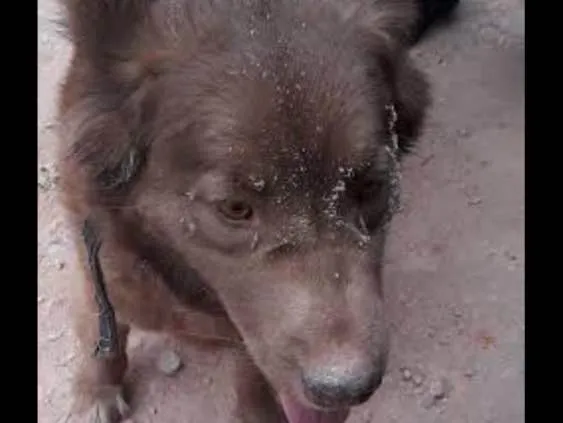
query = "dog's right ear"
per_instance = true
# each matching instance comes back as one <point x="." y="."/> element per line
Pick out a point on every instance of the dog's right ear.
<point x="103" y="31"/>
<point x="103" y="144"/>
<point x="104" y="99"/>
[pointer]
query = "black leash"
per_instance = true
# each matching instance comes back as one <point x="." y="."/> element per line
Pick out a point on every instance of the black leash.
<point x="108" y="342"/>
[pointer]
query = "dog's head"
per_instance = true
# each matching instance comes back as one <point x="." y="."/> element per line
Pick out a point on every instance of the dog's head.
<point x="266" y="160"/>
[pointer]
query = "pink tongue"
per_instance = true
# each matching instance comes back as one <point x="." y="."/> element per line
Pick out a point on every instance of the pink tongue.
<point x="298" y="413"/>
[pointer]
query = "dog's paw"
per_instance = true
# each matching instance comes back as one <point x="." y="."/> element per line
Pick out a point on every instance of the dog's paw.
<point x="108" y="407"/>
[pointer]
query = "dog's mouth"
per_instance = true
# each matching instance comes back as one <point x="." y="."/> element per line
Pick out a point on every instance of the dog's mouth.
<point x="297" y="412"/>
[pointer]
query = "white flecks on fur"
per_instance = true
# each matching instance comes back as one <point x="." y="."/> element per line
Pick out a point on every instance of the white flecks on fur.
<point x="360" y="229"/>
<point x="394" y="165"/>
<point x="254" y="242"/>
<point x="333" y="198"/>
<point x="347" y="172"/>
<point x="258" y="184"/>
<point x="188" y="226"/>
<point x="362" y="224"/>
<point x="392" y="126"/>
<point x="191" y="227"/>
<point x="339" y="187"/>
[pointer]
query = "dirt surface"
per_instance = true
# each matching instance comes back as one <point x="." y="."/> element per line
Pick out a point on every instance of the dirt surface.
<point x="455" y="273"/>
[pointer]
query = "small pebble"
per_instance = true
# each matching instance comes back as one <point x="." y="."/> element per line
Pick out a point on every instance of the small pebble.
<point x="510" y="256"/>
<point x="66" y="360"/>
<point x="55" y="337"/>
<point x="48" y="178"/>
<point x="444" y="341"/>
<point x="49" y="125"/>
<point x="169" y="363"/>
<point x="428" y="401"/>
<point x="474" y="201"/>
<point x="418" y="390"/>
<point x="418" y="379"/>
<point x="367" y="416"/>
<point x="469" y="373"/>
<point x="463" y="132"/>
<point x="406" y="374"/>
<point x="439" y="388"/>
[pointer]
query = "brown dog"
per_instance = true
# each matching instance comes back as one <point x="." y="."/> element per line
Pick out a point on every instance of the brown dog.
<point x="238" y="161"/>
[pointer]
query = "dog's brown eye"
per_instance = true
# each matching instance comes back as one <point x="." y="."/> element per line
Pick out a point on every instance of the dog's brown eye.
<point x="235" y="210"/>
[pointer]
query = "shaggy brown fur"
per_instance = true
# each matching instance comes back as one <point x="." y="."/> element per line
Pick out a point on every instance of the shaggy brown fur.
<point x="236" y="159"/>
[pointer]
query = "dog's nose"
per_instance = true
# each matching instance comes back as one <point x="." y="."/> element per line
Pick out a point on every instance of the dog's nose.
<point x="342" y="386"/>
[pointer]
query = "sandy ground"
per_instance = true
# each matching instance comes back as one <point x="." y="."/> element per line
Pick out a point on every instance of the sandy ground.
<point x="455" y="277"/>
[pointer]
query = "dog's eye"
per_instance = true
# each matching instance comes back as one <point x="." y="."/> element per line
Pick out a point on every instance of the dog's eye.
<point x="235" y="210"/>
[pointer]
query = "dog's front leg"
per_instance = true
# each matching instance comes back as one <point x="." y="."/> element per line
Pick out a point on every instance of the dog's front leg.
<point x="102" y="339"/>
<point x="98" y="383"/>
<point x="102" y="346"/>
<point x="256" y="402"/>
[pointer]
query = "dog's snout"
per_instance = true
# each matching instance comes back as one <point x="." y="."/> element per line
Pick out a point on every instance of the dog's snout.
<point x="342" y="386"/>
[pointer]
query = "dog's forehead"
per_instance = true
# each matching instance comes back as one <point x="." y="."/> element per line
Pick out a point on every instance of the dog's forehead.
<point x="293" y="131"/>
<point x="293" y="121"/>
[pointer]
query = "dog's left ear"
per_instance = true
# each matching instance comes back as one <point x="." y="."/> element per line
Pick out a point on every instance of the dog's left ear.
<point x="385" y="31"/>
<point x="409" y="94"/>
